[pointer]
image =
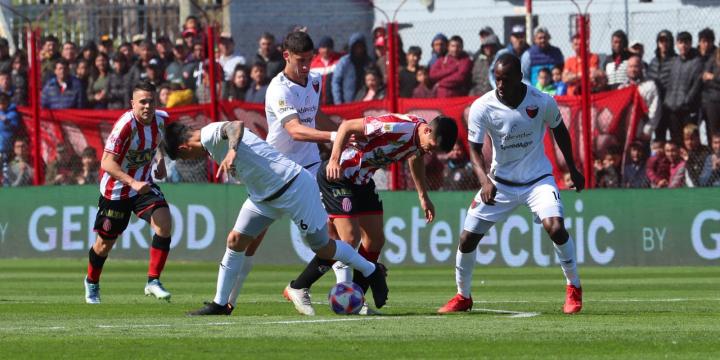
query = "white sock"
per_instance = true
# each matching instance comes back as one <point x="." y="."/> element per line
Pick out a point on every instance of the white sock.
<point x="242" y="275"/>
<point x="343" y="273"/>
<point x="464" y="266"/>
<point x="348" y="255"/>
<point x="230" y="266"/>
<point x="566" y="254"/>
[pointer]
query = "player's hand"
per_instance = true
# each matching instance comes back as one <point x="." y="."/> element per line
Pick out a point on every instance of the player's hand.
<point x="428" y="208"/>
<point x="227" y="165"/>
<point x="332" y="171"/>
<point x="141" y="187"/>
<point x="160" y="170"/>
<point x="578" y="181"/>
<point x="488" y="192"/>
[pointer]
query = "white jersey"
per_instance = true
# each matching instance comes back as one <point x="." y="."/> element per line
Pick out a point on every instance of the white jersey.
<point x="258" y="165"/>
<point x="285" y="99"/>
<point x="517" y="134"/>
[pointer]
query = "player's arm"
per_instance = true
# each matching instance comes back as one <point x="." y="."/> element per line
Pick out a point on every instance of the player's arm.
<point x="160" y="170"/>
<point x="562" y="138"/>
<point x="233" y="131"/>
<point x="345" y="131"/>
<point x="110" y="163"/>
<point x="300" y="132"/>
<point x="417" y="170"/>
<point x="487" y="188"/>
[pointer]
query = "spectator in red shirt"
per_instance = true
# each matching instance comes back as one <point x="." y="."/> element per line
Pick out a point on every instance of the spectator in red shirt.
<point x="451" y="73"/>
<point x="572" y="71"/>
<point x="324" y="63"/>
<point x="658" y="165"/>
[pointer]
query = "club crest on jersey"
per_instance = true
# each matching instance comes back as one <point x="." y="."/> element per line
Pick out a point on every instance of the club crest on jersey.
<point x="107" y="225"/>
<point x="316" y="85"/>
<point x="532" y="110"/>
<point x="346" y="204"/>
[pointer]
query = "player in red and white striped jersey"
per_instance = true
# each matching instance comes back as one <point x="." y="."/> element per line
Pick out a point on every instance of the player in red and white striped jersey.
<point x="345" y="180"/>
<point x="127" y="187"/>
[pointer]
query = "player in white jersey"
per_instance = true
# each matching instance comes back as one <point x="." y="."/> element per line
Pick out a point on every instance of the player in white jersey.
<point x="127" y="187"/>
<point x="276" y="186"/>
<point x="515" y="116"/>
<point x="292" y="105"/>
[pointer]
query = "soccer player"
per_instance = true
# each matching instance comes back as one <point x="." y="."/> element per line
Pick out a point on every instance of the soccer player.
<point x="276" y="186"/>
<point x="515" y="116"/>
<point x="127" y="186"/>
<point x="292" y="105"/>
<point x="348" y="190"/>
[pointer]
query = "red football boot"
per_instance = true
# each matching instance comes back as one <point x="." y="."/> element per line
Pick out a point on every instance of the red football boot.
<point x="573" y="300"/>
<point x="457" y="304"/>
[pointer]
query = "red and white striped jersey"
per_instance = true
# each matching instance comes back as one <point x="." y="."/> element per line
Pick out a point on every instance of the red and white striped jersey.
<point x="135" y="144"/>
<point x="388" y="138"/>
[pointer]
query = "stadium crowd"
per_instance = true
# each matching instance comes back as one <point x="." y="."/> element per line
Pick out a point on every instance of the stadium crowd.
<point x="680" y="85"/>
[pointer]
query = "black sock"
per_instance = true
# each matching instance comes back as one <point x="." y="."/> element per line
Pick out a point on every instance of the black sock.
<point x="314" y="270"/>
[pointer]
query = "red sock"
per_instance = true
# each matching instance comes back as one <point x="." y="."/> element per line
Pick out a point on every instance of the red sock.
<point x="95" y="266"/>
<point x="371" y="256"/>
<point x="157" y="262"/>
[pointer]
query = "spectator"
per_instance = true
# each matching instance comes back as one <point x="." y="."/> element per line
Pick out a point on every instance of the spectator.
<point x="65" y="168"/>
<point x="489" y="46"/>
<point x="408" y="74"/>
<point x="658" y="166"/>
<point x="138" y="71"/>
<point x="649" y="92"/>
<point x="126" y="50"/>
<point x="89" y="169"/>
<point x="451" y="73"/>
<point x="349" y="72"/>
<point x="374" y="88"/>
<point x="638" y="49"/>
<point x="118" y="86"/>
<point x="5" y="59"/>
<point x="696" y="154"/>
<point x="607" y="172"/>
<point x="710" y="175"/>
<point x="439" y="46"/>
<point x="178" y="66"/>
<point x="18" y="77"/>
<point x="711" y="95"/>
<point x="572" y="71"/>
<point x="269" y="55"/>
<point x="517" y="47"/>
<point x="82" y="73"/>
<point x="598" y="81"/>
<point x="106" y="45"/>
<point x="615" y="65"/>
<point x="540" y="55"/>
<point x="9" y="126"/>
<point x="634" y="175"/>
<point x="544" y="82"/>
<point x="202" y="93"/>
<point x="677" y="175"/>
<point x="8" y="88"/>
<point x="69" y="53"/>
<point x="98" y="84"/>
<point x="459" y="173"/>
<point x="424" y="89"/>
<point x="380" y="62"/>
<point x="164" y="50"/>
<point x="659" y="71"/>
<point x="683" y="95"/>
<point x="560" y="86"/>
<point x="21" y="172"/>
<point x="258" y="86"/>
<point x="190" y="37"/>
<point x="154" y="72"/>
<point x="88" y="52"/>
<point x="63" y="91"/>
<point x="193" y="27"/>
<point x="324" y="63"/>
<point x="49" y="55"/>
<point x="236" y="88"/>
<point x="164" y="92"/>
<point x="179" y="96"/>
<point x="228" y="58"/>
<point x="706" y="45"/>
<point x="193" y="69"/>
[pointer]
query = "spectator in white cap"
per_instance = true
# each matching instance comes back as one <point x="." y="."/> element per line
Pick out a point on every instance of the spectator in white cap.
<point x="517" y="47"/>
<point x="227" y="57"/>
<point x="541" y="55"/>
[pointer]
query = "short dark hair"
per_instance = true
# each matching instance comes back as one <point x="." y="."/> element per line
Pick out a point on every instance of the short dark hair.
<point x="456" y="38"/>
<point x="176" y="134"/>
<point x="298" y="42"/>
<point x="511" y="60"/>
<point x="4" y="98"/>
<point x="144" y="86"/>
<point x="50" y="38"/>
<point x="707" y="34"/>
<point x="545" y="70"/>
<point x="89" y="152"/>
<point x="268" y="36"/>
<point x="445" y="130"/>
<point x="60" y="61"/>
<point x="684" y="36"/>
<point x="415" y="50"/>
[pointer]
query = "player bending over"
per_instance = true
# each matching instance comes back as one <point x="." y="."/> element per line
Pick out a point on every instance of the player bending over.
<point x="515" y="116"/>
<point x="127" y="186"/>
<point x="275" y="186"/>
<point x="348" y="190"/>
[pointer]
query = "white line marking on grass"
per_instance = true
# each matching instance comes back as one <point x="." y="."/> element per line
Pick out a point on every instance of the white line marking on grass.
<point x="323" y="320"/>
<point x="513" y="314"/>
<point x="132" y="326"/>
<point x="593" y="301"/>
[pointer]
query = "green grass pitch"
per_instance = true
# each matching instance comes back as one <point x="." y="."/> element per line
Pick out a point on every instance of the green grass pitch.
<point x="629" y="313"/>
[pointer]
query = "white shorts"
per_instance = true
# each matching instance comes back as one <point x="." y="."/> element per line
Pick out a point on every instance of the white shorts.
<point x="300" y="201"/>
<point x="543" y="199"/>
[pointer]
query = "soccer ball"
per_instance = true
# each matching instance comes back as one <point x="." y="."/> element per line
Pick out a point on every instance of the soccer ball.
<point x="346" y="298"/>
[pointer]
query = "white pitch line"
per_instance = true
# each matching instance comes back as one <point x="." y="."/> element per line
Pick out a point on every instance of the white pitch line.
<point x="593" y="301"/>
<point x="325" y="320"/>
<point x="513" y="314"/>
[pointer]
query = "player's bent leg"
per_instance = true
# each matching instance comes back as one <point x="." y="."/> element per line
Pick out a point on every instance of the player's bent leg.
<point x="373" y="240"/>
<point x="245" y="270"/>
<point x="565" y="250"/>
<point x="97" y="255"/>
<point x="347" y="230"/>
<point x="161" y="223"/>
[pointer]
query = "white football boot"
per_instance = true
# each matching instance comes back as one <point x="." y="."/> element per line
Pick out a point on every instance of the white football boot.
<point x="301" y="299"/>
<point x="155" y="288"/>
<point x="92" y="292"/>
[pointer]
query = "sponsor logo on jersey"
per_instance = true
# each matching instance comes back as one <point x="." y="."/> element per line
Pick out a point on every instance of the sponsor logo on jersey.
<point x="342" y="192"/>
<point x="139" y="158"/>
<point x="532" y="110"/>
<point x="316" y="85"/>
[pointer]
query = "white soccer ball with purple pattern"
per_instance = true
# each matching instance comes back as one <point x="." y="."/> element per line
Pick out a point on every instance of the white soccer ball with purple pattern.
<point x="346" y="298"/>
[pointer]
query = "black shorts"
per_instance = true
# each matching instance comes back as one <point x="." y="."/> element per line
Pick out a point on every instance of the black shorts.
<point x="113" y="216"/>
<point x="343" y="199"/>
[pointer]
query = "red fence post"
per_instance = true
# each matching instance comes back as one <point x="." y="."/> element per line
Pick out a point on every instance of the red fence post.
<point x="585" y="101"/>
<point x="392" y="91"/>
<point x="213" y="90"/>
<point x="34" y="88"/>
